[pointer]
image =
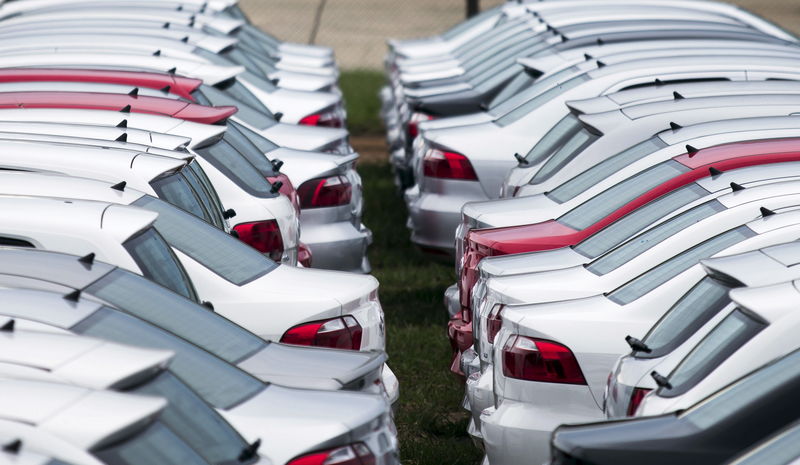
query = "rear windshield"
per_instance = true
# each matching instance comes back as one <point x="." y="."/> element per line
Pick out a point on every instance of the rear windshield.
<point x="252" y="112"/>
<point x="221" y="253"/>
<point x="197" y="423"/>
<point x="236" y="167"/>
<point x="567" y="138"/>
<point x="500" y="107"/>
<point x="649" y="239"/>
<point x="705" y="300"/>
<point x="677" y="265"/>
<point x="616" y="197"/>
<point x="247" y="148"/>
<point x="636" y="221"/>
<point x="603" y="170"/>
<point x="729" y="335"/>
<point x="157" y="444"/>
<point x="177" y="315"/>
<point x="177" y="190"/>
<point x="216" y="381"/>
<point x="544" y="97"/>
<point x="208" y="195"/>
<point x="522" y="81"/>
<point x="264" y="145"/>
<point x="757" y="386"/>
<point x="783" y="449"/>
<point x="157" y="262"/>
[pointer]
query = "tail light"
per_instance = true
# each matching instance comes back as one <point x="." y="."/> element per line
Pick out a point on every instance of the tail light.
<point x="330" y="118"/>
<point x="494" y="322"/>
<point x="336" y="333"/>
<point x="355" y="454"/>
<point x="286" y="189"/>
<point x="325" y="192"/>
<point x="304" y="255"/>
<point x="448" y="165"/>
<point x="413" y="124"/>
<point x="264" y="236"/>
<point x="538" y="360"/>
<point x="636" y="400"/>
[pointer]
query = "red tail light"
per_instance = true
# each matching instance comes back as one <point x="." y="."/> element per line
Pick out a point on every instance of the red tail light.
<point x="329" y="119"/>
<point x="336" y="333"/>
<point x="264" y="236"/>
<point x="304" y="256"/>
<point x="448" y="165"/>
<point x="413" y="124"/>
<point x="325" y="192"/>
<point x="539" y="360"/>
<point x="494" y="322"/>
<point x="355" y="454"/>
<point x="636" y="400"/>
<point x="286" y="189"/>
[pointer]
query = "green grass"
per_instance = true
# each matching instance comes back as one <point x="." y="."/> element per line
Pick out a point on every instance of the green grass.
<point x="430" y="421"/>
<point x="360" y="88"/>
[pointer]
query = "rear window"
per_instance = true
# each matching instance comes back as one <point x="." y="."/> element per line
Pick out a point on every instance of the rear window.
<point x="177" y="315"/>
<point x="636" y="221"/>
<point x="677" y="265"/>
<point x="216" y="381"/>
<point x="263" y="144"/>
<point x="706" y="299"/>
<point x="541" y="99"/>
<point x="252" y="153"/>
<point x="614" y="198"/>
<point x="226" y="256"/>
<point x="175" y="189"/>
<point x="522" y="81"/>
<point x="257" y="116"/>
<point x="156" y="444"/>
<point x="157" y="261"/>
<point x="783" y="449"/>
<point x="649" y="239"/>
<point x="206" y="192"/>
<point x="729" y="335"/>
<point x="567" y="138"/>
<point x="603" y="170"/>
<point x="501" y="107"/>
<point x="235" y="166"/>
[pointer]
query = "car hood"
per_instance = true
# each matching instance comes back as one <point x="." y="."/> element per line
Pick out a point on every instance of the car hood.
<point x="327" y="369"/>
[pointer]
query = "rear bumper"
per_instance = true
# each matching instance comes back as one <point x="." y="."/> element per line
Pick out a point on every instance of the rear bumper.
<point x="433" y="219"/>
<point x="338" y="246"/>
<point x="451" y="301"/>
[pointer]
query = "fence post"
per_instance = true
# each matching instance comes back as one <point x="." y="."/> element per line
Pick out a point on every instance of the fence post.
<point x="473" y="7"/>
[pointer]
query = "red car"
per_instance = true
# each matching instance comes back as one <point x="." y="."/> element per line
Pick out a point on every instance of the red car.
<point x="552" y="234"/>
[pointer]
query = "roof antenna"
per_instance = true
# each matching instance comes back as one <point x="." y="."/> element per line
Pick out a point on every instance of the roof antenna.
<point x="275" y="81"/>
<point x="276" y="186"/>
<point x="157" y="53"/>
<point x="126" y="109"/>
<point x="677" y="96"/>
<point x="659" y="82"/>
<point x="600" y="41"/>
<point x="661" y="380"/>
<point x="675" y="126"/>
<point x="172" y="70"/>
<point x="520" y="159"/>
<point x="166" y="89"/>
<point x="123" y="124"/>
<point x="8" y="327"/>
<point x="736" y="187"/>
<point x="564" y="38"/>
<point x="185" y="39"/>
<point x="587" y="57"/>
<point x="120" y="186"/>
<point x="122" y="137"/>
<point x="637" y="345"/>
<point x="166" y="25"/>
<point x="134" y="92"/>
<point x="73" y="296"/>
<point x="765" y="212"/>
<point x="87" y="259"/>
<point x="13" y="447"/>
<point x="600" y="64"/>
<point x="714" y="172"/>
<point x="691" y="150"/>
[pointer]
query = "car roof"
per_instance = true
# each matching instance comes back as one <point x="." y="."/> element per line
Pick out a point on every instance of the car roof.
<point x="60" y="268"/>
<point x="178" y="85"/>
<point x="68" y="358"/>
<point x="63" y="410"/>
<point x="85" y="160"/>
<point x="689" y="63"/>
<point x="36" y="184"/>
<point x="120" y="102"/>
<point x="742" y="125"/>
<point x="31" y="217"/>
<point x="95" y="131"/>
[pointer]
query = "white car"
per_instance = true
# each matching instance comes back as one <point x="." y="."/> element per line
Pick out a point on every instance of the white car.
<point x="124" y="428"/>
<point x="300" y="420"/>
<point x="287" y="365"/>
<point x="532" y="397"/>
<point x="690" y="319"/>
<point x="272" y="301"/>
<point x="758" y="330"/>
<point x="97" y="364"/>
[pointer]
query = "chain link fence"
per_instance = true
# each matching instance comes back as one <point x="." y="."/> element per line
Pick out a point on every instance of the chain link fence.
<point x="358" y="29"/>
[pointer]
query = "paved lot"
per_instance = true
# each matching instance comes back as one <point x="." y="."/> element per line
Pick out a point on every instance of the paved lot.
<point x="358" y="29"/>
